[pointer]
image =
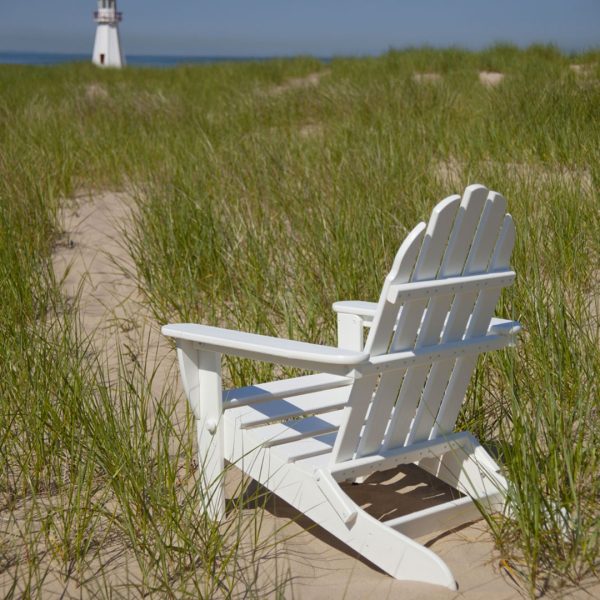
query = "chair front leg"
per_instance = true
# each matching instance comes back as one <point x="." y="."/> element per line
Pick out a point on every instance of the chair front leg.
<point x="201" y="374"/>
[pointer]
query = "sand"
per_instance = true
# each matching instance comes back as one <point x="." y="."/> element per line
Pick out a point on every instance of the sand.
<point x="490" y="78"/>
<point x="94" y="262"/>
<point x="311" y="80"/>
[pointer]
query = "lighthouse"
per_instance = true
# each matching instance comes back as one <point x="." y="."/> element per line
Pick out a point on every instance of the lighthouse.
<point x="107" y="47"/>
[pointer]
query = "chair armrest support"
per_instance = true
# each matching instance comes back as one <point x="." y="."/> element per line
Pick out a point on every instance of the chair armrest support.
<point x="266" y="348"/>
<point x="352" y="317"/>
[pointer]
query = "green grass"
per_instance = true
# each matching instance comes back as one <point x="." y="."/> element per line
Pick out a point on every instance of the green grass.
<point x="257" y="211"/>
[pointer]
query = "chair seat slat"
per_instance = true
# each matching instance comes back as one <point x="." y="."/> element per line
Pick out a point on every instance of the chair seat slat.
<point x="273" y="390"/>
<point x="292" y="407"/>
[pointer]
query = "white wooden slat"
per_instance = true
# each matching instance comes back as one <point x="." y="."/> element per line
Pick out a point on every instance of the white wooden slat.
<point x="505" y="245"/>
<point x="436" y="239"/>
<point x="306" y="448"/>
<point x="477" y="261"/>
<point x="467" y="219"/>
<point x="440" y="517"/>
<point x="449" y="286"/>
<point x="487" y="299"/>
<point x="354" y="418"/>
<point x="487" y="234"/>
<point x="297" y="429"/>
<point x="428" y="263"/>
<point x="387" y="313"/>
<point x="453" y="397"/>
<point x="459" y="243"/>
<point x="440" y="352"/>
<point x="432" y="396"/>
<point x="286" y="388"/>
<point x="285" y="408"/>
<point x="404" y="411"/>
<point x="379" y="414"/>
<point x="482" y="316"/>
<point x="388" y="459"/>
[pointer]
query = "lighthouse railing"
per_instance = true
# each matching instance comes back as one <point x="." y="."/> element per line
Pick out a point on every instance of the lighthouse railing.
<point x="108" y="15"/>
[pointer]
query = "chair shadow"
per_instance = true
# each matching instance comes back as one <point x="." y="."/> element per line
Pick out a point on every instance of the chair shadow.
<point x="384" y="495"/>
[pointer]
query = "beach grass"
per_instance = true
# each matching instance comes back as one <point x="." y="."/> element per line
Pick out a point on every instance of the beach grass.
<point x="262" y="197"/>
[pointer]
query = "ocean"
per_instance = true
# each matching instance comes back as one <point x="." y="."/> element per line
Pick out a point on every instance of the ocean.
<point x="40" y="59"/>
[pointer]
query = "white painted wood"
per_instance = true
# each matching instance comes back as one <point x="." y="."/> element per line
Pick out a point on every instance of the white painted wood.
<point x="343" y="506"/>
<point x="297" y="429"/>
<point x="441" y="517"/>
<point x="267" y="348"/>
<point x="354" y="417"/>
<point x="428" y="266"/>
<point x="386" y="316"/>
<point x="504" y="327"/>
<point x="480" y="320"/>
<point x="477" y="261"/>
<point x="210" y="435"/>
<point x="394" y="553"/>
<point x="465" y="224"/>
<point x="427" y="263"/>
<point x="294" y="406"/>
<point x="187" y="356"/>
<point x="394" y="402"/>
<point x="471" y="470"/>
<point x="306" y="448"/>
<point x="426" y="355"/>
<point x="274" y="390"/>
<point x="450" y="286"/>
<point x="388" y="459"/>
<point x="377" y="343"/>
<point x="360" y="308"/>
<point x="350" y="331"/>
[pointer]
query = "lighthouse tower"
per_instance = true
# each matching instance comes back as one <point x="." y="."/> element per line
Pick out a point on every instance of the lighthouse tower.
<point x="107" y="47"/>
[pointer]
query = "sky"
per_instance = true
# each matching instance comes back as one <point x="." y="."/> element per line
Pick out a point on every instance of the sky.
<point x="285" y="27"/>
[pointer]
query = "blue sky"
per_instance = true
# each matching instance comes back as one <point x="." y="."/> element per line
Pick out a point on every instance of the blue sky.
<point x="285" y="27"/>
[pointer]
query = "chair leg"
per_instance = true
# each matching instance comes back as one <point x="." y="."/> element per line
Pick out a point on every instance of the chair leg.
<point x="211" y="466"/>
<point x="471" y="470"/>
<point x="201" y="374"/>
<point x="210" y="435"/>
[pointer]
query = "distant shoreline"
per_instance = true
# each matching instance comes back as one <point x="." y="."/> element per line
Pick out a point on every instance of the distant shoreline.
<point x="44" y="58"/>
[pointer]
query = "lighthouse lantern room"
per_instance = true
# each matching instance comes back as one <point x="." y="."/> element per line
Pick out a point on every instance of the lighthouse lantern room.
<point x="107" y="47"/>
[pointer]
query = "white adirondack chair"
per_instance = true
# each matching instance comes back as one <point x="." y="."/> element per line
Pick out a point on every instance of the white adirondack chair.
<point x="369" y="409"/>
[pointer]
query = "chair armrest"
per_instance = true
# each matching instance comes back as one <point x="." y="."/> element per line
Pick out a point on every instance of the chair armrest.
<point x="504" y="327"/>
<point x="267" y="348"/>
<point x="366" y="310"/>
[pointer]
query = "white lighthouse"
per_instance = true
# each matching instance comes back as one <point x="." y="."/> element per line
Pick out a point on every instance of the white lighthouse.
<point x="107" y="47"/>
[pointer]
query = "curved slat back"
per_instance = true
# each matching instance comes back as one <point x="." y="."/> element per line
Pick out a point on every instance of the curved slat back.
<point x="464" y="236"/>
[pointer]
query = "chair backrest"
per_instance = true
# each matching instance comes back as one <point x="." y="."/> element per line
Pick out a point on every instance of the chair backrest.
<point x="464" y="237"/>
